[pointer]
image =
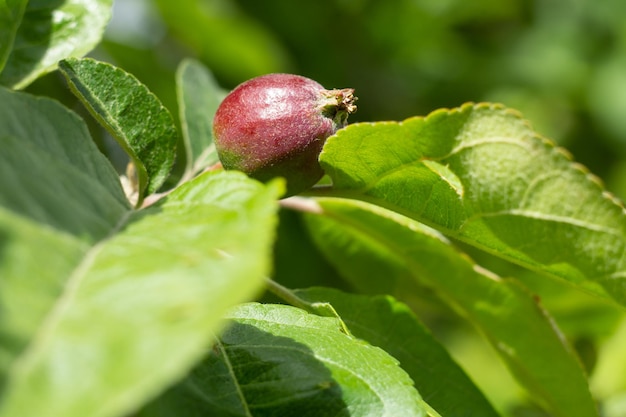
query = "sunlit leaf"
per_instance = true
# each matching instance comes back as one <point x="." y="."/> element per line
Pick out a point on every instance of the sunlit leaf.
<point x="280" y="360"/>
<point x="390" y="325"/>
<point x="480" y="174"/>
<point x="356" y="236"/>
<point x="95" y="296"/>
<point x="50" y="31"/>
<point x="132" y="114"/>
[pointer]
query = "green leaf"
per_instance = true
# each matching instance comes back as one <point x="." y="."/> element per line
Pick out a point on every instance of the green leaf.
<point x="481" y="175"/>
<point x="50" y="31"/>
<point x="58" y="196"/>
<point x="198" y="99"/>
<point x="156" y="290"/>
<point x="51" y="171"/>
<point x="11" y="13"/>
<point x="102" y="306"/>
<point x="294" y="251"/>
<point x="392" y="326"/>
<point x="131" y="113"/>
<point x="280" y="360"/>
<point x="356" y="236"/>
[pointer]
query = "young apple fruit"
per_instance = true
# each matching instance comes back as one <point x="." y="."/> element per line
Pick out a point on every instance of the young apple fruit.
<point x="275" y="125"/>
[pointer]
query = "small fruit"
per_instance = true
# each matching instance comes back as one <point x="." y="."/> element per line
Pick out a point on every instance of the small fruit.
<point x="275" y="125"/>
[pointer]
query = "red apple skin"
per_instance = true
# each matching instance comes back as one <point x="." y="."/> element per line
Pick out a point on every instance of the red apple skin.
<point x="275" y="125"/>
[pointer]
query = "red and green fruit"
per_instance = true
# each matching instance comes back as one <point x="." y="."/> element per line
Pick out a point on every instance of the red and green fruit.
<point x="275" y="125"/>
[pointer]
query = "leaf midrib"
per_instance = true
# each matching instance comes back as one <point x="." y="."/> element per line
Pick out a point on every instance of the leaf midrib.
<point x="327" y="360"/>
<point x="538" y="215"/>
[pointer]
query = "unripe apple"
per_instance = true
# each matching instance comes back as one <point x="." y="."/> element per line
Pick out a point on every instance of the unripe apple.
<point x="275" y="125"/>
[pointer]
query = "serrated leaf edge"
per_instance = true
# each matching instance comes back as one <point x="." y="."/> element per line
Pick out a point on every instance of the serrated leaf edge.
<point x="113" y="128"/>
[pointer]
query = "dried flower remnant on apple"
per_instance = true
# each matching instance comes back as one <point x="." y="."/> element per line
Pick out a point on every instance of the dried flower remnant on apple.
<point x="275" y="125"/>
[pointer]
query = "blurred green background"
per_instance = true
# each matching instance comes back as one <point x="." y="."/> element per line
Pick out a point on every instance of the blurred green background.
<point x="562" y="63"/>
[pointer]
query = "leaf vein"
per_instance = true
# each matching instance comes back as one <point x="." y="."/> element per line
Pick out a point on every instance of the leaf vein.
<point x="549" y="218"/>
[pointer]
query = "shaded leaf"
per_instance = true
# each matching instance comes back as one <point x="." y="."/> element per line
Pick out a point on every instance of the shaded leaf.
<point x="95" y="296"/>
<point x="481" y="175"/>
<point x="131" y="113"/>
<point x="198" y="99"/>
<point x="280" y="360"/>
<point x="294" y="251"/>
<point x="53" y="30"/>
<point x="11" y="12"/>
<point x="392" y="326"/>
<point x="353" y="234"/>
<point x="52" y="172"/>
